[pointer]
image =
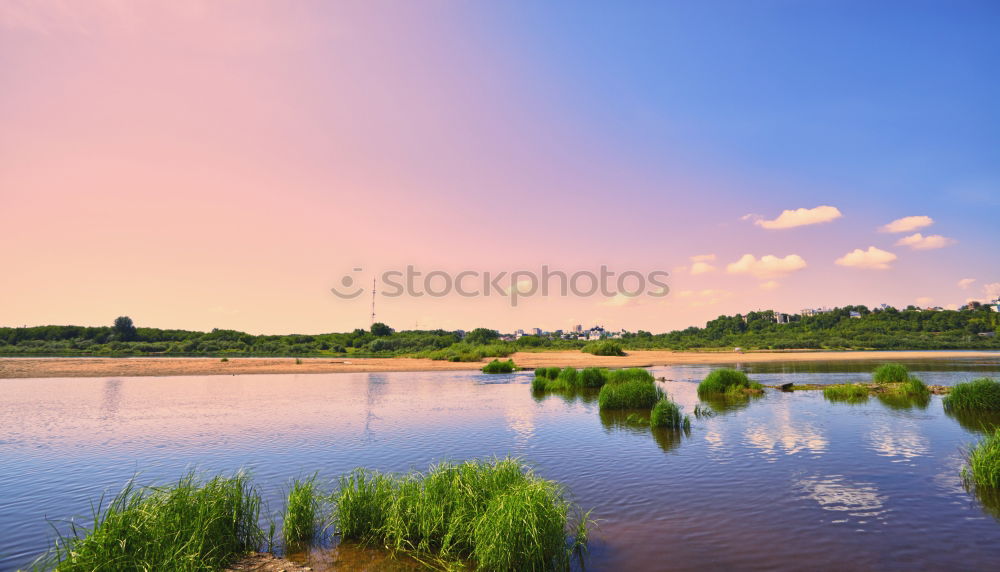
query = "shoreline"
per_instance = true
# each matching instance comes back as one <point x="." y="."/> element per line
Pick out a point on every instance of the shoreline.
<point x="39" y="367"/>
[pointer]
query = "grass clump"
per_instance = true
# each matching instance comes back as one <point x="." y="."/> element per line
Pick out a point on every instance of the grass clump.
<point x="301" y="513"/>
<point x="629" y="395"/>
<point x="890" y="373"/>
<point x="497" y="513"/>
<point x="224" y="360"/>
<point x="568" y="377"/>
<point x="666" y="413"/>
<point x="983" y="469"/>
<point x="605" y="348"/>
<point x="593" y="377"/>
<point x="979" y="395"/>
<point x="500" y="366"/>
<point x="547" y="372"/>
<point x="191" y="525"/>
<point x="846" y="392"/>
<point x="629" y="375"/>
<point x="726" y="381"/>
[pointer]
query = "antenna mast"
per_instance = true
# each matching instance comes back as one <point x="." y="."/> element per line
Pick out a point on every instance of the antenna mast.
<point x="373" y="300"/>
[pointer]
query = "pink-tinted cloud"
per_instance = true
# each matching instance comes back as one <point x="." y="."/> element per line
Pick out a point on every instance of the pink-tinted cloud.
<point x="919" y="242"/>
<point x="873" y="258"/>
<point x="767" y="266"/>
<point x="800" y="217"/>
<point x="907" y="224"/>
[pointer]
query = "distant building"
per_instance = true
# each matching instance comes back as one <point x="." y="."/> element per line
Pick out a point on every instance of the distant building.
<point x="536" y="331"/>
<point x="578" y="328"/>
<point x="856" y="315"/>
<point x="780" y="318"/>
<point x="518" y="334"/>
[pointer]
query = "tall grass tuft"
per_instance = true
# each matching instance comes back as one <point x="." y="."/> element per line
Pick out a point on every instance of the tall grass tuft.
<point x="496" y="512"/>
<point x="191" y="525"/>
<point x="983" y="469"/>
<point x="666" y="413"/>
<point x="846" y="392"/>
<point x="568" y="377"/>
<point x="629" y="395"/>
<point x="301" y="513"/>
<point x="979" y="395"/>
<point x="723" y="381"/>
<point x="603" y="348"/>
<point x="539" y="383"/>
<point x="500" y="366"/>
<point x="890" y="373"/>
<point x="629" y="374"/>
<point x="593" y="377"/>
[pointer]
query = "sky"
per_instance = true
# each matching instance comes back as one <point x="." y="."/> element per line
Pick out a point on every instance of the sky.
<point x="225" y="164"/>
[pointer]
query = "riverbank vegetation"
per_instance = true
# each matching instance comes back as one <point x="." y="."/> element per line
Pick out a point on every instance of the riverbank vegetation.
<point x="728" y="381"/>
<point x="983" y="469"/>
<point x="632" y="394"/>
<point x="191" y="525"/>
<point x="979" y="395"/>
<point x="604" y="348"/>
<point x="847" y="392"/>
<point x="849" y="327"/>
<point x="500" y="366"/>
<point x="497" y="513"/>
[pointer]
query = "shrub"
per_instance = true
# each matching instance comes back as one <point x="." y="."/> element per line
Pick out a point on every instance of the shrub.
<point x="723" y="381"/>
<point x="890" y="373"/>
<point x="604" y="348"/>
<point x="497" y="512"/>
<point x="983" y="469"/>
<point x="593" y="377"/>
<point x="188" y="526"/>
<point x="666" y="413"/>
<point x="301" y="513"/>
<point x="629" y="374"/>
<point x="498" y="366"/>
<point x="629" y="395"/>
<point x="979" y="395"/>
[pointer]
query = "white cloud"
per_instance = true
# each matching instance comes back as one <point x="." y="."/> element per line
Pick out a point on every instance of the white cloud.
<point x="798" y="217"/>
<point x="701" y="268"/>
<point x="907" y="223"/>
<point x="920" y="242"/>
<point x="924" y="301"/>
<point x="769" y="285"/>
<point x="768" y="266"/>
<point x="964" y="283"/>
<point x="874" y="258"/>
<point x="992" y="291"/>
<point x="703" y="258"/>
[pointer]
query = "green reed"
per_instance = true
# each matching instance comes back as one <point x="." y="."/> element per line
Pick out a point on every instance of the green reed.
<point x="979" y="395"/>
<point x="189" y="526"/>
<point x="497" y="513"/>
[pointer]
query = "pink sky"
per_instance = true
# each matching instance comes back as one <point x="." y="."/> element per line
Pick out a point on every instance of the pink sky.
<point x="199" y="165"/>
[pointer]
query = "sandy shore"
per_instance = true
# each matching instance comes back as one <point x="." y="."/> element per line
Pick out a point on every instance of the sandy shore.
<point x="146" y="366"/>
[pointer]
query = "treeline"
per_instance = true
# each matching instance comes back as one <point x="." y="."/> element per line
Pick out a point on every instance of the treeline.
<point x="124" y="339"/>
<point x="850" y="327"/>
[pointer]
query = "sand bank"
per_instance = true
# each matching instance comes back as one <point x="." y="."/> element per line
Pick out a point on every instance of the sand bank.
<point x="157" y="366"/>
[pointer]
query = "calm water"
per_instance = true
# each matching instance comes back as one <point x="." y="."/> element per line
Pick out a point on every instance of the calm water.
<point x="788" y="482"/>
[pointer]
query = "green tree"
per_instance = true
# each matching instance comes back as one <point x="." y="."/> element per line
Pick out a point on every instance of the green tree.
<point x="379" y="329"/>
<point x="482" y="336"/>
<point x="124" y="328"/>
